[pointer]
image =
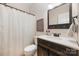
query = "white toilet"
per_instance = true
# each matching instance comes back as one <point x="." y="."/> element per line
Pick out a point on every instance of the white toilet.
<point x="31" y="49"/>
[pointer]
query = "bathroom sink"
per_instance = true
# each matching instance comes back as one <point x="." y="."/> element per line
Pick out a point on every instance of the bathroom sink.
<point x="53" y="37"/>
<point x="67" y="39"/>
<point x="70" y="39"/>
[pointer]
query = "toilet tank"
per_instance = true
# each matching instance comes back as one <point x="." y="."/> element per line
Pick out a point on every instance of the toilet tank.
<point x="35" y="40"/>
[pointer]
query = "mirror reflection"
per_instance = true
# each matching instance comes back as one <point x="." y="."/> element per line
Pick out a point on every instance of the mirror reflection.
<point x="59" y="15"/>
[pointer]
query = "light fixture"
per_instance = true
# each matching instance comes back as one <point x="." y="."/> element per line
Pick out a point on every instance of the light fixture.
<point x="52" y="5"/>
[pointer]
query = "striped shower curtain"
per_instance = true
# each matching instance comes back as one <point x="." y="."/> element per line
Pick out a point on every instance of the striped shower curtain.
<point x="16" y="31"/>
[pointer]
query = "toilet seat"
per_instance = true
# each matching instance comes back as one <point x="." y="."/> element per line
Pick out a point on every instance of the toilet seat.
<point x="30" y="50"/>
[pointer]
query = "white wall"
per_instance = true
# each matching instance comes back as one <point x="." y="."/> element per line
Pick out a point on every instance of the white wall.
<point x="75" y="9"/>
<point x="22" y="6"/>
<point x="40" y="10"/>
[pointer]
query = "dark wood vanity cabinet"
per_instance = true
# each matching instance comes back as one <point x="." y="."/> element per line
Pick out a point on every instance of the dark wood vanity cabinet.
<point x="46" y="48"/>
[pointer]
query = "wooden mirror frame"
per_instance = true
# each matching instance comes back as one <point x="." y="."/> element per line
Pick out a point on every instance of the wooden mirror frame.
<point x="61" y="26"/>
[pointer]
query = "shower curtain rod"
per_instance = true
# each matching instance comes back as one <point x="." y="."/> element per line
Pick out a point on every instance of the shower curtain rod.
<point x="16" y="8"/>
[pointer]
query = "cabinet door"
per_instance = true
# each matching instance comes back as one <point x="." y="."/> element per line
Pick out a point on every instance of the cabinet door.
<point x="42" y="51"/>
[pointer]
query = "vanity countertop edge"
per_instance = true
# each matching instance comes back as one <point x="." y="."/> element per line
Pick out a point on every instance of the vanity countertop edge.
<point x="60" y="42"/>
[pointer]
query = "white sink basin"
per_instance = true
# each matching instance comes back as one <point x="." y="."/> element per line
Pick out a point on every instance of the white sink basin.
<point x="62" y="38"/>
<point x="52" y="37"/>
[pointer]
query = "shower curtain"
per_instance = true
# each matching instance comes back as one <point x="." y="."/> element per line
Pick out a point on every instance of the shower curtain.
<point x="16" y="31"/>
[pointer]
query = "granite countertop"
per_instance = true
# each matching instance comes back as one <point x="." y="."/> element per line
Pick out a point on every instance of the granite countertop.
<point x="66" y="41"/>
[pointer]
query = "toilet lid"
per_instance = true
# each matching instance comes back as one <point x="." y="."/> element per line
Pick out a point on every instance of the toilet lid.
<point x="30" y="48"/>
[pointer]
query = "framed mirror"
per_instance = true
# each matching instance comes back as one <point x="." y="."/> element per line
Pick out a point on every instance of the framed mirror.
<point x="60" y="17"/>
